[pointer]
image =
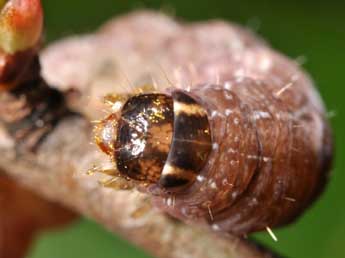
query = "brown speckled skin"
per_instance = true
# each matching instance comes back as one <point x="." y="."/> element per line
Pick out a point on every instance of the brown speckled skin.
<point x="272" y="144"/>
<point x="264" y="169"/>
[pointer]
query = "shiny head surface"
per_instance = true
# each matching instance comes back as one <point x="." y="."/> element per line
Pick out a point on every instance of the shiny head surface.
<point x="158" y="139"/>
<point x="144" y="136"/>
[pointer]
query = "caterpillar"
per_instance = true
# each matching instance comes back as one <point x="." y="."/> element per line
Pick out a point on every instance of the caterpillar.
<point x="244" y="152"/>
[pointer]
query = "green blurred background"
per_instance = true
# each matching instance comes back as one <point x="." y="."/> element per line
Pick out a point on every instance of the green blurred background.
<point x="314" y="30"/>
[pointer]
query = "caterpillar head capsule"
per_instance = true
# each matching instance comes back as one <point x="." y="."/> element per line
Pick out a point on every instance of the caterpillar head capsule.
<point x="157" y="139"/>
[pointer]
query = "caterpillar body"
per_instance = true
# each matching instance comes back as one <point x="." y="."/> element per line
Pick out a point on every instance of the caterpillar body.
<point x="245" y="152"/>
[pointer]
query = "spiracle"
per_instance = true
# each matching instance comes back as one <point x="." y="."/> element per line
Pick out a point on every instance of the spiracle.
<point x="248" y="151"/>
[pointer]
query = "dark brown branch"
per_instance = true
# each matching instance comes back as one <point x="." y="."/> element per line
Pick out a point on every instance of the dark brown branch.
<point x="30" y="109"/>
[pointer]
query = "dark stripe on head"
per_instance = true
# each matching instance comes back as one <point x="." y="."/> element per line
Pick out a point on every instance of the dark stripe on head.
<point x="191" y="142"/>
<point x="173" y="181"/>
<point x="182" y="97"/>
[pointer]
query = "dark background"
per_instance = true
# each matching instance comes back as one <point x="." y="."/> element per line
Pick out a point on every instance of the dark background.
<point x="314" y="30"/>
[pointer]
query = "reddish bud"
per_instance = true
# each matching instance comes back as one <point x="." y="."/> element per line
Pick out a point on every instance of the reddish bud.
<point x="21" y="23"/>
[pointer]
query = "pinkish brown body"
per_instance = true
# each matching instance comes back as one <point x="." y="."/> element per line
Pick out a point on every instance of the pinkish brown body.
<point x="272" y="145"/>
